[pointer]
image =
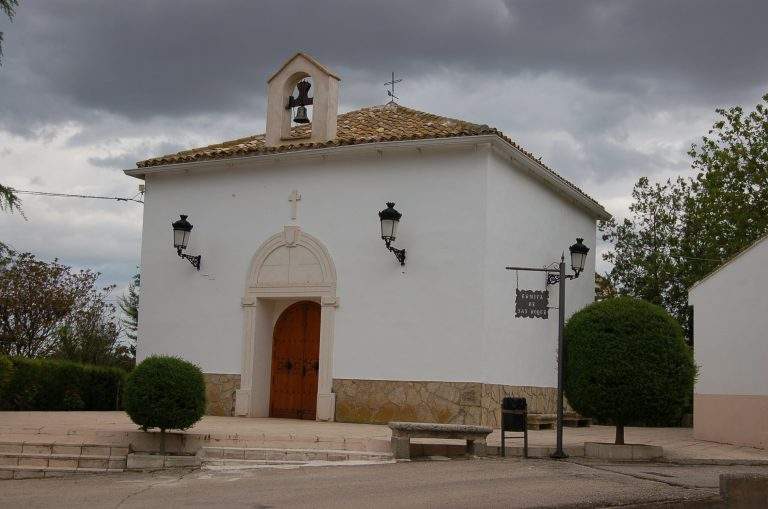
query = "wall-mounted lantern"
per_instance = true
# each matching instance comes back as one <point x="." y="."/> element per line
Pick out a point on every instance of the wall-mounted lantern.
<point x="181" y="231"/>
<point x="390" y="218"/>
<point x="578" y="256"/>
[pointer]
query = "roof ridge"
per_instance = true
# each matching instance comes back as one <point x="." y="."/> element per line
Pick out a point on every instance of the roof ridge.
<point x="376" y="107"/>
<point x="369" y="124"/>
<point x="395" y="105"/>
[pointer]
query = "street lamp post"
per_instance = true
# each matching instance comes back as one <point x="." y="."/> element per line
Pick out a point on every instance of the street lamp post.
<point x="558" y="276"/>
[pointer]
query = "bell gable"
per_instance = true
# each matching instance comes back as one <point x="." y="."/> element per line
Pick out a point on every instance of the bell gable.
<point x="280" y="99"/>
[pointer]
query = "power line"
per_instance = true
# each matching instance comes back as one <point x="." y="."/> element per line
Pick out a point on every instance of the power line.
<point x="67" y="195"/>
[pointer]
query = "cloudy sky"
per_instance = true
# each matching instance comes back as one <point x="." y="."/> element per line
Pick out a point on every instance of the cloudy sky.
<point x="604" y="91"/>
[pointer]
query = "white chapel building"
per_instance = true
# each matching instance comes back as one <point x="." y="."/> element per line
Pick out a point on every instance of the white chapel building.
<point x="300" y="309"/>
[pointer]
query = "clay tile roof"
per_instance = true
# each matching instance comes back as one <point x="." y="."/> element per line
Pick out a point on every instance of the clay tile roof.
<point x="389" y="122"/>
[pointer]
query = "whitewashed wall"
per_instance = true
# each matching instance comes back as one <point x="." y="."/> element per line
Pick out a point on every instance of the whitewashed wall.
<point x="448" y="316"/>
<point x="730" y="324"/>
<point x="528" y="225"/>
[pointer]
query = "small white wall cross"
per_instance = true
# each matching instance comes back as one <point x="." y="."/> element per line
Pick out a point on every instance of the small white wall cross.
<point x="294" y="199"/>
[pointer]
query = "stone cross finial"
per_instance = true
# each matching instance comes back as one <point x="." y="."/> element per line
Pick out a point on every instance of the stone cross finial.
<point x="294" y="198"/>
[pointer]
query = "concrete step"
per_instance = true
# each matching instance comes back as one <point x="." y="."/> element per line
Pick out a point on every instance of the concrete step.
<point x="36" y="472"/>
<point x="63" y="448"/>
<point x="61" y="460"/>
<point x="223" y="464"/>
<point x="536" y="451"/>
<point x="29" y="460"/>
<point x="261" y="456"/>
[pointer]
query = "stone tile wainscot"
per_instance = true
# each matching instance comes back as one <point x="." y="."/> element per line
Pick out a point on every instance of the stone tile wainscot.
<point x="220" y="393"/>
<point x="383" y="401"/>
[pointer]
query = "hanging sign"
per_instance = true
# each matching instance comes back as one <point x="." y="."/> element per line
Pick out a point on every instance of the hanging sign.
<point x="532" y="304"/>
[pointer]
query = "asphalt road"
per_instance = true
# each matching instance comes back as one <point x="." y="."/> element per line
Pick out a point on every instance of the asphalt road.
<point x="456" y="483"/>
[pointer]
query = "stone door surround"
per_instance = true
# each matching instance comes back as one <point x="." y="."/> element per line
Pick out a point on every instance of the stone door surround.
<point x="291" y="264"/>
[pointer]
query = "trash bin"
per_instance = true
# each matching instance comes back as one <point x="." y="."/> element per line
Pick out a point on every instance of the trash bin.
<point x="514" y="416"/>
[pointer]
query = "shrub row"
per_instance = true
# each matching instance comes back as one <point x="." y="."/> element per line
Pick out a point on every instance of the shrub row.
<point x="49" y="384"/>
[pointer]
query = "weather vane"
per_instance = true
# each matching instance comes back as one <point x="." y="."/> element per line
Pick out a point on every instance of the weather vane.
<point x="391" y="93"/>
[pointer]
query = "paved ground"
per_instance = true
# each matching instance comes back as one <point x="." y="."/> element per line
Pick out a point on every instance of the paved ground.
<point x="112" y="427"/>
<point x="456" y="483"/>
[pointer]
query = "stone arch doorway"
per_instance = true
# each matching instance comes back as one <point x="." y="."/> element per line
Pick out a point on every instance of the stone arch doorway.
<point x="290" y="267"/>
<point x="295" y="362"/>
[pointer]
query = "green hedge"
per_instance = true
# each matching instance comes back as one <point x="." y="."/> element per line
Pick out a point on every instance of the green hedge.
<point x="6" y="372"/>
<point x="48" y="384"/>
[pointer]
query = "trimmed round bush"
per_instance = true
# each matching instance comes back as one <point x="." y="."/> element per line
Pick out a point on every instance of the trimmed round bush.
<point x="166" y="393"/>
<point x="627" y="362"/>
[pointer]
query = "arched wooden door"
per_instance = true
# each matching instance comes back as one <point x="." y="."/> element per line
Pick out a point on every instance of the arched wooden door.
<point x="295" y="362"/>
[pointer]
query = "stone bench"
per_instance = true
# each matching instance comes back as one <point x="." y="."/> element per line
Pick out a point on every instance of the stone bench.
<point x="549" y="421"/>
<point x="403" y="432"/>
<point x="576" y="421"/>
<point x="541" y="421"/>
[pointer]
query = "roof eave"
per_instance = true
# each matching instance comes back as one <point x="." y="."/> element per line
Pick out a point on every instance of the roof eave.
<point x="538" y="169"/>
<point x="728" y="262"/>
<point x="306" y="153"/>
<point x="553" y="179"/>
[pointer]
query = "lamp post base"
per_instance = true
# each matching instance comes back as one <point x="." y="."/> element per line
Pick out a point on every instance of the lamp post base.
<point x="558" y="455"/>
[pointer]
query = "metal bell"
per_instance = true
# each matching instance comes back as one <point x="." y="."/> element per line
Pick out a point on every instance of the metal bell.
<point x="301" y="115"/>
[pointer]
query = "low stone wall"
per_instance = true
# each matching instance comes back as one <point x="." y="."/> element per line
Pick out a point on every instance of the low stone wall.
<point x="382" y="401"/>
<point x="220" y="393"/>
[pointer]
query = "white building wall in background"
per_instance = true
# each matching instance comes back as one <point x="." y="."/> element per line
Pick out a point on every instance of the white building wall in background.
<point x="730" y="309"/>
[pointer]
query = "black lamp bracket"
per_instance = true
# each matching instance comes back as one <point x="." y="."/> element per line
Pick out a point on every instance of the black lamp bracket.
<point x="554" y="278"/>
<point x="194" y="260"/>
<point x="399" y="253"/>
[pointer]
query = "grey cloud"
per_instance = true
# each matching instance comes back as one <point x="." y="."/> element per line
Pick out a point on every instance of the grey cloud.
<point x="128" y="159"/>
<point x="573" y="81"/>
<point x="146" y="58"/>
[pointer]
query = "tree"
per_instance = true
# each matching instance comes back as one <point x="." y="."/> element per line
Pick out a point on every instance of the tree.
<point x="627" y="362"/>
<point x="129" y="305"/>
<point x="91" y="334"/>
<point x="679" y="231"/>
<point x="9" y="201"/>
<point x="727" y="209"/>
<point x="9" y="8"/>
<point x="36" y="299"/>
<point x="603" y="287"/>
<point x="48" y="310"/>
<point x="166" y="393"/>
<point x="646" y="248"/>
